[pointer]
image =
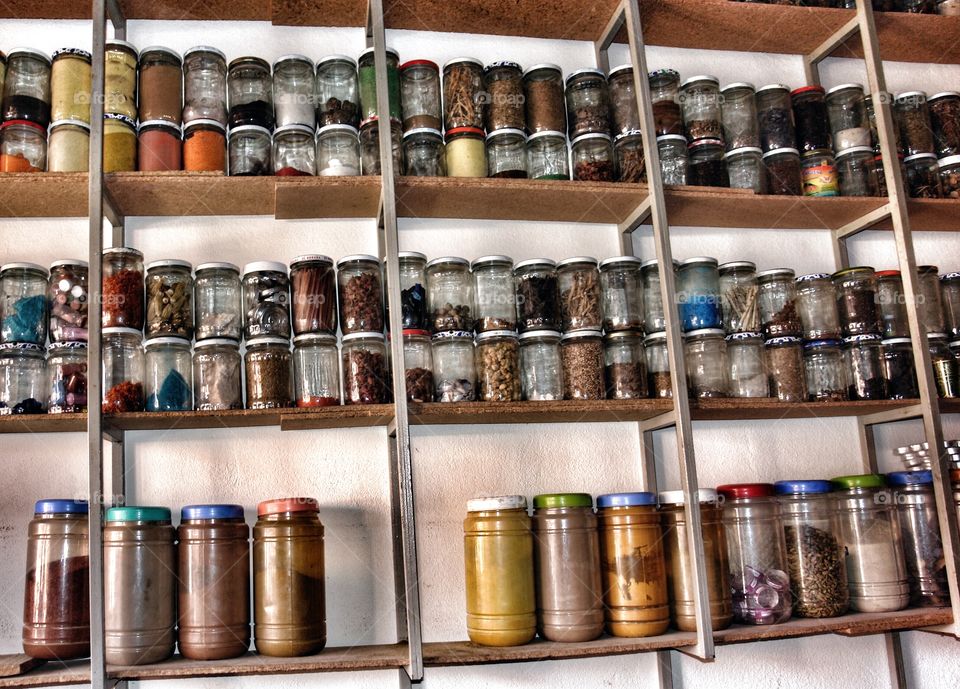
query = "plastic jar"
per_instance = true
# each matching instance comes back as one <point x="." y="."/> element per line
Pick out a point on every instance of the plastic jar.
<point x="775" y="117"/>
<point x="540" y="367"/>
<point x="654" y="319"/>
<point x="674" y="160"/>
<point x="204" y="146"/>
<point x="875" y="560"/>
<point x="269" y="373"/>
<point x="169" y="374"/>
<point x="847" y="111"/>
<point x="70" y="85"/>
<point x="360" y="294"/>
<point x="123" y="370"/>
<point x="899" y="371"/>
<point x="68" y="146"/>
<point x="857" y="172"/>
<point x="592" y="156"/>
<point x="23" y="303"/>
<point x="450" y="298"/>
<point x="891" y="303"/>
<point x="945" y="119"/>
<point x="424" y="154"/>
<point x="338" y="151"/>
<point x="740" y="124"/>
<point x="160" y="85"/>
<point x="204" y="85"/>
<point x="625" y="371"/>
<point x="784" y="172"/>
<point x="588" y="103"/>
<point x="825" y="370"/>
<point x="503" y="89"/>
<point x="499" y="571"/>
<point x="56" y="611"/>
<point x="738" y="297"/>
<point x="158" y="146"/>
<point x="545" y="107"/>
<point x="707" y="167"/>
<point x="811" y="118"/>
<point x="454" y="372"/>
<point x="628" y="156"/>
<point x="119" y="143"/>
<point x="216" y="375"/>
<point x="537" y="293"/>
<point x="294" y="151"/>
<point x="418" y="365"/>
<point x="913" y="120"/>
<point x="777" y="302"/>
<point x="680" y="565"/>
<point x="507" y="153"/>
<point x="26" y="88"/>
<point x="624" y="112"/>
<point x="581" y="357"/>
<point x="250" y="90"/>
<point x="757" y="551"/>
<point x="815" y="552"/>
<point x="294" y="91"/>
<point x="290" y="611"/>
<point x="214" y="582"/>
<point x="336" y="91"/>
<point x="370" y="147"/>
<point x="820" y="174"/>
<point x="816" y="304"/>
<point x="316" y="370"/>
<point x="923" y="176"/>
<point x="494" y="293"/>
<point x="950" y="177"/>
<point x="462" y="85"/>
<point x="140" y="583"/>
<point x="23" y="147"/>
<point x="950" y="296"/>
<point x="698" y="293"/>
<point x="857" y="300"/>
<point x="745" y="170"/>
<point x="945" y="366"/>
<point x="659" y="382"/>
<point x="120" y="79"/>
<point x="266" y="300"/>
<point x="366" y="373"/>
<point x="67" y="377"/>
<point x="169" y="289"/>
<point x="784" y="357"/>
<point x="665" y="97"/>
<point x="705" y="353"/>
<point x="702" y="117"/>
<point x="498" y="366"/>
<point x="621" y="294"/>
<point x="313" y="285"/>
<point x="23" y="379"/>
<point x="122" y="288"/>
<point x="747" y="365"/>
<point x="250" y="150"/>
<point x="578" y="281"/>
<point x="569" y="591"/>
<point x="547" y="156"/>
<point x="218" y="301"/>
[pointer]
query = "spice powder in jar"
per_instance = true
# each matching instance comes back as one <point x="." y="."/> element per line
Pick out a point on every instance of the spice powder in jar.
<point x="204" y="146"/>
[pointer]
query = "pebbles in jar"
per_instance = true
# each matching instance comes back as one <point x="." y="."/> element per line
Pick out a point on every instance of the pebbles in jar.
<point x="266" y="298"/>
<point x="450" y="300"/>
<point x="579" y="284"/>
<point x="498" y="366"/>
<point x="23" y="303"/>
<point x="336" y="91"/>
<point x="360" y="294"/>
<point x="169" y="299"/>
<point x="581" y="354"/>
<point x="454" y="371"/>
<point x="122" y="288"/>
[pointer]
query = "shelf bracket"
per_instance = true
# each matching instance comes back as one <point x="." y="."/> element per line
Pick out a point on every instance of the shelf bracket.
<point x="115" y="13"/>
<point x="913" y="411"/>
<point x="659" y="422"/>
<point x="811" y="62"/>
<point x="863" y="223"/>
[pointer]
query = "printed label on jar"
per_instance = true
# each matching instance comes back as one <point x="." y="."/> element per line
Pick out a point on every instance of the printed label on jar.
<point x="820" y="180"/>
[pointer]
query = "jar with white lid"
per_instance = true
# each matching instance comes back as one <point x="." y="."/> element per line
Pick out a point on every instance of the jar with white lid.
<point x="739" y="116"/>
<point x="204" y="85"/>
<point x="544" y="99"/>
<point x="588" y="103"/>
<point x="659" y="383"/>
<point x="217" y="375"/>
<point x="578" y="281"/>
<point x="825" y="371"/>
<point x="945" y="366"/>
<point x="370" y="146"/>
<point x="674" y="159"/>
<point x="316" y="370"/>
<point x="269" y="373"/>
<point x="541" y="369"/>
<point x="413" y="293"/>
<point x="784" y="172"/>
<point x="68" y="146"/>
<point x="625" y="370"/>
<point x="654" y="319"/>
<point x="593" y="158"/>
<point x="705" y="353"/>
<point x="707" y="167"/>
<point x="700" y="100"/>
<point x="23" y="303"/>
<point x="336" y="91"/>
<point x="507" y="154"/>
<point x="857" y="172"/>
<point x="698" y="293"/>
<point x="775" y="117"/>
<point x="950" y="176"/>
<point x="338" y="151"/>
<point x="547" y="156"/>
<point x="23" y="379"/>
<point x="847" y="111"/>
<point x="923" y="176"/>
<point x="169" y="374"/>
<point x="123" y="370"/>
<point x="945" y="118"/>
<point x="450" y="298"/>
<point x="930" y="302"/>
<point x="537" y="295"/>
<point x="23" y="147"/>
<point x="26" y="88"/>
<point x="784" y="355"/>
<point x="498" y="366"/>
<point x="294" y="151"/>
<point x="629" y="158"/>
<point x="122" y="288"/>
<point x="454" y="371"/>
<point x="250" y="150"/>
<point x="424" y="154"/>
<point x="625" y="114"/>
<point x="665" y="97"/>
<point x="120" y="78"/>
<point x="359" y="294"/>
<point x="294" y="94"/>
<point x="738" y="297"/>
<point x="581" y="356"/>
<point x="67" y="377"/>
<point x="621" y="293"/>
<point x="250" y="91"/>
<point x="266" y="300"/>
<point x="494" y="293"/>
<point x="745" y="170"/>
<point x="462" y="85"/>
<point x="778" y="303"/>
<point x="747" y="366"/>
<point x="913" y="119"/>
<point x="169" y="289"/>
<point x="218" y="301"/>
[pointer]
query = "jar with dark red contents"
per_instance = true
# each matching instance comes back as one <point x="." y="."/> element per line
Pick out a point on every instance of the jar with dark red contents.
<point x="784" y="172"/>
<point x="266" y="300"/>
<point x="913" y="120"/>
<point x="588" y="103"/>
<point x="700" y="100"/>
<point x="665" y="96"/>
<point x="861" y="355"/>
<point x="775" y="116"/>
<point x="67" y="377"/>
<point x="26" y="89"/>
<point x="777" y="301"/>
<point x="923" y="176"/>
<point x="294" y="151"/>
<point x="158" y="146"/>
<point x="462" y="84"/>
<point x="250" y="88"/>
<point x="418" y="365"/>
<point x="543" y="99"/>
<point x="360" y="294"/>
<point x="623" y="100"/>
<point x="811" y="118"/>
<point x="365" y="368"/>
<point x="593" y="158"/>
<point x="503" y="84"/>
<point x="857" y="301"/>
<point x="707" y="167"/>
<point x="945" y="120"/>
<point x="314" y="286"/>
<point x="420" y="95"/>
<point x="123" y="370"/>
<point x="316" y="370"/>
<point x="294" y="93"/>
<point x="269" y="369"/>
<point x="123" y="294"/>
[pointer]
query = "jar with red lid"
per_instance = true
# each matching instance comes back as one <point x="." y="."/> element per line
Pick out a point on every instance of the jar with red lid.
<point x="420" y="95"/>
<point x="811" y="118"/>
<point x="466" y="152"/>
<point x="23" y="147"/>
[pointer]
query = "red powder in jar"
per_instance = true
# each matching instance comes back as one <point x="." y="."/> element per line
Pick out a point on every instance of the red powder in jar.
<point x="292" y="172"/>
<point x="159" y="150"/>
<point x="316" y="401"/>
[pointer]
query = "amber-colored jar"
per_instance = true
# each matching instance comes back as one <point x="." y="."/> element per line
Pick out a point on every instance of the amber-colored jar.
<point x="290" y="611"/>
<point x="214" y="567"/>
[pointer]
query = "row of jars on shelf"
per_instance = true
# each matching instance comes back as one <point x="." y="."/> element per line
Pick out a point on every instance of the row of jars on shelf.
<point x="949" y="8"/>
<point x="187" y="587"/>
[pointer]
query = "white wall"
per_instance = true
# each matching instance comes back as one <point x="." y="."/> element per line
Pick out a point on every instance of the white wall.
<point x="346" y="469"/>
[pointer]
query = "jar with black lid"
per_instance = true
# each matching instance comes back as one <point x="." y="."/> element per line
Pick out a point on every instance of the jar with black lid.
<point x="424" y="154"/>
<point x="820" y="174"/>
<point x="294" y="91"/>
<point x="913" y="119"/>
<point x="847" y="111"/>
<point x="507" y="154"/>
<point x="593" y="158"/>
<point x="462" y="84"/>
<point x="825" y="370"/>
<point x="707" y="167"/>
<point x="26" y="89"/>
<point x="674" y="159"/>
<point x="745" y="170"/>
<point x="945" y="120"/>
<point x="503" y="86"/>
<point x="250" y="86"/>
<point x="857" y="172"/>
<point x="857" y="300"/>
<point x="775" y="117"/>
<point x="861" y="354"/>
<point x="538" y="297"/>
<point x="294" y="151"/>
<point x="812" y="121"/>
<point x="588" y="103"/>
<point x="665" y="97"/>
<point x="702" y="116"/>
<point x="899" y="370"/>
<point x="544" y="99"/>
<point x="784" y="172"/>
<point x="548" y="156"/>
<point x="923" y="176"/>
<point x="420" y="95"/>
<point x="336" y="91"/>
<point x="740" y="124"/>
<point x="204" y="85"/>
<point x="628" y="156"/>
<point x="623" y="100"/>
<point x="250" y="149"/>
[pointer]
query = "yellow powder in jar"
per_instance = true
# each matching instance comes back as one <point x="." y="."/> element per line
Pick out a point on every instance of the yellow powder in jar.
<point x="119" y="146"/>
<point x="120" y="82"/>
<point x="466" y="157"/>
<point x="70" y="89"/>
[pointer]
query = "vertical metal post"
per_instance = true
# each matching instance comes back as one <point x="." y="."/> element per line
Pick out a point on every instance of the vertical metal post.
<point x="898" y="672"/>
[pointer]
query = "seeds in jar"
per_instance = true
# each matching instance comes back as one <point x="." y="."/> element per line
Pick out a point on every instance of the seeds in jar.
<point x="817" y="572"/>
<point x="661" y="385"/>
<point x="419" y="384"/>
<point x="498" y="370"/>
<point x="785" y="369"/>
<point x="268" y="380"/>
<point x="627" y="381"/>
<point x="582" y="361"/>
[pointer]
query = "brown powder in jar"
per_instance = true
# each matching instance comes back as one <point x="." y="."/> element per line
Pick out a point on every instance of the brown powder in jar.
<point x="205" y="150"/>
<point x="661" y="385"/>
<point x="268" y="380"/>
<point x="545" y="106"/>
<point x="505" y="107"/>
<point x="627" y="381"/>
<point x="786" y="373"/>
<point x="582" y="363"/>
<point x="160" y="88"/>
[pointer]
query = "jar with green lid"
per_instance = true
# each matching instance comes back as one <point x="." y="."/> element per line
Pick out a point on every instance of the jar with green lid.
<point x="950" y="296"/>
<point x="67" y="377"/>
<point x="923" y="176"/>
<point x="816" y="305"/>
<point x="581" y="355"/>
<point x="624" y="113"/>
<point x="705" y="353"/>
<point x="120" y="79"/>
<point x="336" y="91"/>
<point x="847" y="111"/>
<point x="68" y="146"/>
<point x="621" y="294"/>
<point x="547" y="156"/>
<point x="588" y="103"/>
<point x="892" y="304"/>
<point x="680" y="563"/>
<point x="498" y="551"/>
<point x="540" y="367"/>
<point x="633" y="565"/>
<point x="493" y="291"/>
<point x="674" y="160"/>
<point x="370" y="147"/>
<point x="466" y="152"/>
<point x="738" y="297"/>
<point x="140" y="583"/>
<point x="507" y="154"/>
<point x="22" y="379"/>
<point x="160" y="85"/>
<point x="119" y="143"/>
<point x="784" y="357"/>
<point x="216" y="375"/>
<point x="169" y="374"/>
<point x="462" y="86"/>
<point x="899" y="369"/>
<point x="269" y="373"/>
<point x="367" y="72"/>
<point x="945" y="366"/>
<point x="665" y="96"/>
<point x="70" y="85"/>
<point x="567" y="556"/>
<point x="820" y="174"/>
<point x="739" y="112"/>
<point x="544" y="99"/>
<point x="857" y="300"/>
<point x="26" y="87"/>
<point x="825" y="371"/>
<point x="289" y="611"/>
<point x="700" y="100"/>
<point x="628" y="157"/>
<point x="592" y="156"/>
<point x="424" y="154"/>
<point x="747" y="365"/>
<point x="857" y="172"/>
<point x="659" y="382"/>
<point x="930" y="302"/>
<point x="876" y="570"/>
<point x="625" y="371"/>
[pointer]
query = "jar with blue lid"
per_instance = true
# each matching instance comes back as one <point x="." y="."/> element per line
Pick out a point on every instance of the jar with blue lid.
<point x="826" y="372"/>
<point x="785" y="369"/>
<point x="698" y="293"/>
<point x="23" y="303"/>
<point x="817" y="307"/>
<point x="747" y="368"/>
<point x="861" y="354"/>
<point x="169" y="367"/>
<point x="22" y="379"/>
<point x="67" y="377"/>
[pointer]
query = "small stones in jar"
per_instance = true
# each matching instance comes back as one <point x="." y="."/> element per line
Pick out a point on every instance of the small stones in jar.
<point x="498" y="367"/>
<point x="452" y="317"/>
<point x="364" y="377"/>
<point x="68" y="301"/>
<point x="581" y="356"/>
<point x="419" y="384"/>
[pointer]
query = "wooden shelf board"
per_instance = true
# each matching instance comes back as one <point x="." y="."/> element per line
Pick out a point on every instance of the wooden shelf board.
<point x="327" y="197"/>
<point x="768" y="408"/>
<point x="564" y="411"/>
<point x="48" y="194"/>
<point x="40" y="674"/>
<point x="350" y="416"/>
<point x="141" y="9"/>
<point x="951" y="406"/>
<point x="43" y="423"/>
<point x="17" y="664"/>
<point x="353" y="416"/>
<point x="326" y="13"/>
<point x="191" y="193"/>
<point x="906" y="37"/>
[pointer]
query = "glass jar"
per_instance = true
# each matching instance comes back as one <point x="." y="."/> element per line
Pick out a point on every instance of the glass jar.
<point x="123" y="370"/>
<point x="624" y="112"/>
<point x="892" y="304"/>
<point x="158" y="146"/>
<point x="507" y="153"/>
<point x="120" y="79"/>
<point x="739" y="111"/>
<point x="945" y="119"/>
<point x="266" y="300"/>
<point x="775" y="118"/>
<point x="503" y="89"/>
<point x="336" y="91"/>
<point x="360" y="294"/>
<point x="826" y="372"/>
<point x="899" y="372"/>
<point x="169" y="374"/>
<point x="738" y="297"/>
<point x="56" y="611"/>
<point x="216" y="375"/>
<point x="875" y="561"/>
<point x="462" y="86"/>
<point x="581" y="356"/>
<point x="777" y="302"/>
<point x="160" y="84"/>
<point x="820" y="174"/>
<point x="745" y="170"/>
<point x="913" y="119"/>
<point x="269" y="373"/>
<point x="26" y="89"/>
<point x="816" y="305"/>
<point x="338" y="151"/>
<point x="140" y="581"/>
<point x="674" y="160"/>
<point x="454" y="372"/>
<point x="294" y="151"/>
<point x="70" y="84"/>
<point x="654" y="319"/>
<point x="413" y="294"/>
<point x="290" y="611"/>
<point x="857" y="172"/>
<point x="22" y="379"/>
<point x="747" y="365"/>
<point x="593" y="158"/>
<point x="659" y="382"/>
<point x="700" y="100"/>
<point x="758" y="556"/>
<point x="370" y="147"/>
<point x="450" y="298"/>
<point x="169" y="289"/>
<point x="707" y="167"/>
<point x="122" y="288"/>
<point x="626" y="367"/>
<point x="68" y="146"/>
<point x="857" y="300"/>
<point x="628" y="154"/>
<point x="119" y="143"/>
<point x="544" y="103"/>
<point x="861" y="356"/>
<point x="698" y="293"/>
<point x="316" y="366"/>
<point x="23" y="303"/>
<point x="578" y="281"/>
<point x="621" y="294"/>
<point x="588" y="103"/>
<point x="945" y="366"/>
<point x="930" y="303"/>
<point x="498" y="562"/>
<point x="204" y="85"/>
<point x="420" y="95"/>
<point x="466" y="153"/>
<point x="294" y="94"/>
<point x="250" y="151"/>
<point x="250" y="89"/>
<point x="874" y="134"/>
<point x="418" y="365"/>
<point x="815" y="553"/>
<point x="204" y="146"/>
<point x="784" y="358"/>
<point x="67" y="377"/>
<point x="541" y="369"/>
<point x="547" y="156"/>
<point x="494" y="293"/>
<point x="811" y="118"/>
<point x="847" y="111"/>
<point x="368" y="85"/>
<point x="950" y="177"/>
<point x="784" y="172"/>
<point x="366" y="375"/>
<point x="950" y="296"/>
<point x="665" y="97"/>
<point x="923" y="176"/>
<point x="680" y="565"/>
<point x="424" y="154"/>
<point x="705" y="353"/>
<point x="213" y="561"/>
<point x="537" y="295"/>
<point x="218" y="301"/>
<point x="498" y="366"/>
<point x="633" y="565"/>
<point x="23" y="147"/>
<point x="313" y="286"/>
<point x="949" y="8"/>
<point x="569" y="586"/>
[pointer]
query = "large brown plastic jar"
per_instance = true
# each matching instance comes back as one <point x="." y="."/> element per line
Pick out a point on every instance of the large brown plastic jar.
<point x="288" y="575"/>
<point x="214" y="566"/>
<point x="139" y="585"/>
<point x="569" y="593"/>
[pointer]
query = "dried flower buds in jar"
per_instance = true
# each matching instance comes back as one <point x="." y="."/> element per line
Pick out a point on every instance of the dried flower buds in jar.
<point x="360" y="294"/>
<point x="169" y="299"/>
<point x="498" y="366"/>
<point x="365" y="370"/>
<point x="581" y="354"/>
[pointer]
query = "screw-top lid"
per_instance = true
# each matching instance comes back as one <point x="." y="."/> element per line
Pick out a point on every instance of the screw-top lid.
<point x="802" y="487"/>
<point x="463" y="60"/>
<point x="205" y="49"/>
<point x="910" y="478"/>
<point x="948" y="161"/>
<point x="449" y="335"/>
<point x="292" y="57"/>
<point x="702" y="143"/>
<point x="32" y="52"/>
<point x="888" y="273"/>
<point x="22" y="265"/>
<point x="203" y="122"/>
<point x="781" y="151"/>
<point x="56" y="347"/>
<point x="123" y="45"/>
<point x="283" y="505"/>
<point x="616" y="260"/>
<point x="160" y="49"/>
<point x="807" y="89"/>
<point x="138" y="514"/>
<point x="543" y="65"/>
<point x="161" y="124"/>
<point x="740" y="337"/>
<point x="738" y="85"/>
<point x="773" y="87"/>
<point x="311" y="258"/>
<point x="491" y="334"/>
<point x="118" y="330"/>
<point x="430" y="131"/>
<point x="782" y="341"/>
<point x="638" y="499"/>
<point x="316" y="338"/>
<point x="211" y="512"/>
<point x="663" y="74"/>
<point x="581" y="333"/>
<point x="936" y="336"/>
<point x="268" y="340"/>
<point x="265" y="267"/>
<point x="548" y="133"/>
<point x="340" y="58"/>
<point x="455" y="260"/>
<point x="813" y="276"/>
<point x="501" y="502"/>
<point x="920" y="156"/>
<point x="535" y="262"/>
<point x="249" y="60"/>
<point x="620" y="68"/>
<point x="655" y="337"/>
<point x="704" y="332"/>
<point x="863" y="338"/>
<point x="61" y="506"/>
<point x="910" y="94"/>
<point x="844" y="87"/>
<point x="502" y="64"/>
<point x="736" y="265"/>
<point x="217" y="265"/>
<point x="352" y="337"/>
<point x="73" y="52"/>
<point x="304" y="129"/>
<point x="249" y="129"/>
<point x="595" y="136"/>
<point x="76" y="262"/>
<point x="407" y="332"/>
<point x="532" y="334"/>
<point x="622" y="335"/>
<point x="698" y="259"/>
<point x="680" y="138"/>
<point x="577" y="259"/>
<point x="22" y="347"/>
<point x="744" y="149"/>
<point x="117" y="117"/>
<point x="896" y="340"/>
<point x="71" y="123"/>
<point x="591" y="71"/>
<point x="416" y="255"/>
<point x="854" y="149"/>
<point x="820" y="344"/>
<point x="775" y="272"/>
<point x="675" y="497"/>
<point x="548" y="501"/>
<point x="507" y="131"/>
<point x="355" y="258"/>
<point x="168" y="263"/>
<point x="700" y="77"/>
<point x="216" y="342"/>
<point x="419" y="63"/>
<point x="167" y="341"/>
<point x="741" y="491"/>
<point x="491" y="261"/>
<point x="859" y="481"/>
<point x="853" y="269"/>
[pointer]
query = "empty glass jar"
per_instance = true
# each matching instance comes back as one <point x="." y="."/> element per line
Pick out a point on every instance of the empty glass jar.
<point x="817" y="307"/>
<point x="454" y="373"/>
<point x="624" y="112"/>
<point x="747" y="372"/>
<point x="294" y="91"/>
<point x="826" y="372"/>
<point x="745" y="170"/>
<point x="540" y="368"/>
<point x="857" y="172"/>
<point x="547" y="156"/>
<point x="674" y="160"/>
<point x="424" y="154"/>
<point x="316" y="367"/>
<point x="621" y="293"/>
<point x="705" y="353"/>
<point x="493" y="289"/>
<point x="659" y="381"/>
<point x="217" y="375"/>
<point x="204" y="85"/>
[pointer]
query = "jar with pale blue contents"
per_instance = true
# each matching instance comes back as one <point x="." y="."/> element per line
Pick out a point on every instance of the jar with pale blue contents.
<point x="23" y="303"/>
<point x="698" y="293"/>
<point x="169" y="374"/>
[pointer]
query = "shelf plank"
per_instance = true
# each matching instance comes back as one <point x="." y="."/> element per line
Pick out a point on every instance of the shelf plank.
<point x="43" y="194"/>
<point x="17" y="664"/>
<point x="327" y="197"/>
<point x="326" y="13"/>
<point x="210" y="10"/>
<point x="191" y="193"/>
<point x="561" y="411"/>
<point x="43" y="423"/>
<point x="351" y="416"/>
<point x="50" y="674"/>
<point x="728" y="409"/>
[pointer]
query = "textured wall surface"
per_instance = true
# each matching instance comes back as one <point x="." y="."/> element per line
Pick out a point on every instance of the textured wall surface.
<point x="347" y="470"/>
